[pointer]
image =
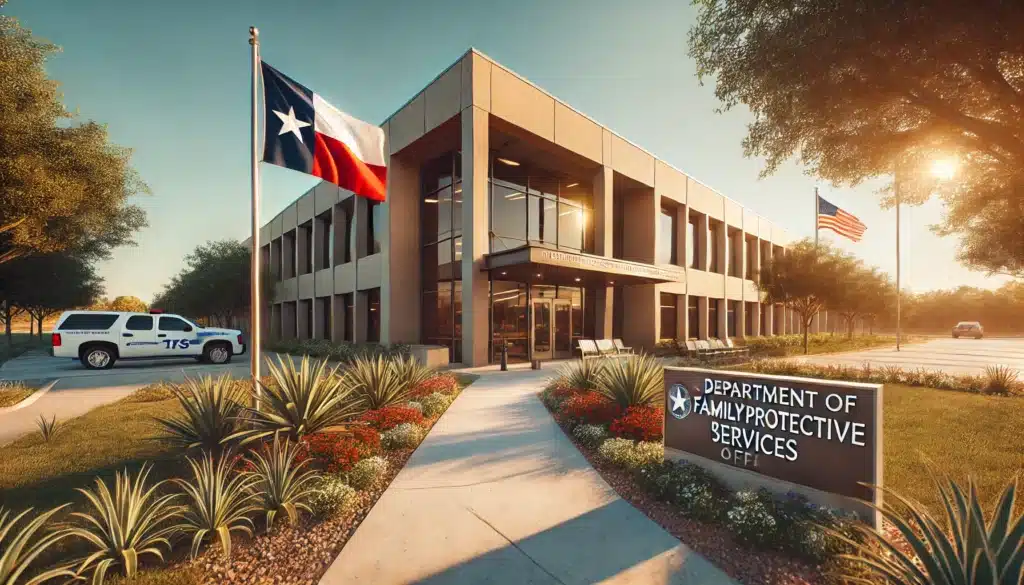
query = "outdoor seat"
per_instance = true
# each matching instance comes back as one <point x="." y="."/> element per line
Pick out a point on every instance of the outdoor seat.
<point x="691" y="348"/>
<point x="607" y="348"/>
<point x="588" y="349"/>
<point x="743" y="351"/>
<point x="621" y="347"/>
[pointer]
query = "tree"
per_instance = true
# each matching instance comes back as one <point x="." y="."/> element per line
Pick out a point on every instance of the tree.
<point x="865" y="295"/>
<point x="805" y="278"/>
<point x="128" y="305"/>
<point x="63" y="186"/>
<point x="214" y="284"/>
<point x="868" y="88"/>
<point x="45" y="285"/>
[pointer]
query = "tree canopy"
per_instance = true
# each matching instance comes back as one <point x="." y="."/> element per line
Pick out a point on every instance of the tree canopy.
<point x="857" y="89"/>
<point x="63" y="185"/>
<point x="128" y="304"/>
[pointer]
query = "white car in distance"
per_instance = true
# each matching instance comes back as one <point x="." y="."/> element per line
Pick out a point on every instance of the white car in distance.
<point x="100" y="338"/>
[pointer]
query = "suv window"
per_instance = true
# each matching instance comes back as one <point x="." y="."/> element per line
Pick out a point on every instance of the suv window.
<point x="139" y="323"/>
<point x="88" y="321"/>
<point x="174" y="324"/>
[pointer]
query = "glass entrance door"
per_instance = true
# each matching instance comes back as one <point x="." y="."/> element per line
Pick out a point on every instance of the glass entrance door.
<point x="541" y="330"/>
<point x="562" y="328"/>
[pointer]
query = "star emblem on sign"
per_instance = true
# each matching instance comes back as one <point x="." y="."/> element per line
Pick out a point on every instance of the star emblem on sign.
<point x="681" y="405"/>
<point x="290" y="124"/>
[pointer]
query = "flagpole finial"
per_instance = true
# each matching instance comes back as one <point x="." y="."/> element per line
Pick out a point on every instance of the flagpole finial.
<point x="254" y="35"/>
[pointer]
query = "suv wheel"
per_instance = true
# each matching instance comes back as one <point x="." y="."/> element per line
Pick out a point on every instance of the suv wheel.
<point x="217" y="353"/>
<point x="98" y="357"/>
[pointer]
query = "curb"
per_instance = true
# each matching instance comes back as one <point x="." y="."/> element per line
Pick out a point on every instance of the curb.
<point x="31" y="399"/>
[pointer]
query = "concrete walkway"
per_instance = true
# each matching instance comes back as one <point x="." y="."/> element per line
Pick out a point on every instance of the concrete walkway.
<point x="496" y="494"/>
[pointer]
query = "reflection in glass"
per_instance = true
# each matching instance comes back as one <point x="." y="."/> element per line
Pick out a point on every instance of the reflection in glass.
<point x="508" y="216"/>
<point x="457" y="210"/>
<point x="509" y="319"/>
<point x="571" y="223"/>
<point x="541" y="327"/>
<point x="563" y="330"/>
<point x="693" y="329"/>
<point x="666" y="253"/>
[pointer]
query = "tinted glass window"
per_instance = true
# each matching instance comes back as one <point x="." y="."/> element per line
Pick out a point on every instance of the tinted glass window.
<point x="173" y="324"/>
<point x="139" y="323"/>
<point x="88" y="321"/>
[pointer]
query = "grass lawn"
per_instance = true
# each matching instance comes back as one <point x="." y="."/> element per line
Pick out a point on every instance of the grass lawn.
<point x="20" y="343"/>
<point x="957" y="433"/>
<point x="11" y="393"/>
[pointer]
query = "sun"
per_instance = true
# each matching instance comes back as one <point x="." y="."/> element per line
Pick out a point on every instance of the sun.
<point x="944" y="168"/>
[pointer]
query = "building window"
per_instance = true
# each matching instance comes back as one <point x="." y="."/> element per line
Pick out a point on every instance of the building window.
<point x="288" y="255"/>
<point x="713" y="317"/>
<point x="348" y="312"/>
<point x="667" y="236"/>
<point x="733" y="307"/>
<point x="347" y="209"/>
<point x="374" y="226"/>
<point x="715" y="248"/>
<point x="373" y="315"/>
<point x="693" y="244"/>
<point x="748" y="319"/>
<point x="306" y="247"/>
<point x="736" y="254"/>
<point x="751" y="258"/>
<point x="693" y="315"/>
<point x="668" y="316"/>
<point x="441" y="255"/>
<point x="325" y="241"/>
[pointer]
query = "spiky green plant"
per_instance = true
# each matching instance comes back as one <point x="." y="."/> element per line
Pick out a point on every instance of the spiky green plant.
<point x="999" y="379"/>
<point x="219" y="501"/>
<point x="48" y="429"/>
<point x="634" y="381"/>
<point x="301" y="400"/>
<point x="125" y="525"/>
<point x="20" y="551"/>
<point x="582" y="375"/>
<point x="376" y="380"/>
<point x="210" y="413"/>
<point x="961" y="548"/>
<point x="280" y="482"/>
<point x="410" y="371"/>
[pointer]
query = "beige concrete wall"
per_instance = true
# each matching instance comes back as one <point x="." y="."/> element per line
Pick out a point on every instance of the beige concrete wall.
<point x="304" y="207"/>
<point x="443" y="98"/>
<point x="733" y="288"/>
<point x="702" y="199"/>
<point x="275" y="227"/>
<point x="368" y="272"/>
<point x="702" y="284"/>
<point x="345" y="278"/>
<point x="522" y="104"/>
<point x="475" y="244"/>
<point x="323" y="282"/>
<point x="289" y="217"/>
<point x="577" y="133"/>
<point x="670" y="183"/>
<point x="306" y="286"/>
<point x="400" y="284"/>
<point x="640" y="223"/>
<point x="324" y="198"/>
<point x="632" y="161"/>
<point x="641" y="317"/>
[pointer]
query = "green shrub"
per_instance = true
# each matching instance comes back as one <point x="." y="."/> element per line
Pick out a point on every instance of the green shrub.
<point x="634" y="381"/>
<point x="580" y="375"/>
<point x="48" y="428"/>
<point x="436" y="403"/>
<point x="280" y="483"/>
<point x="1000" y="379"/>
<point x="210" y="410"/>
<point x="219" y="502"/>
<point x="122" y="526"/>
<point x="377" y="382"/>
<point x="695" y="491"/>
<point x="404" y="436"/>
<point x="752" y="518"/>
<point x="344" y="352"/>
<point x="962" y="547"/>
<point x="331" y="497"/>
<point x="22" y="549"/>
<point x="301" y="400"/>
<point x="410" y="372"/>
<point x="590" y="435"/>
<point x="368" y="472"/>
<point x="631" y="454"/>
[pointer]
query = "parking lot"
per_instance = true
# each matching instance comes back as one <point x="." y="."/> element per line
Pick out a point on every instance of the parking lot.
<point x="953" y="356"/>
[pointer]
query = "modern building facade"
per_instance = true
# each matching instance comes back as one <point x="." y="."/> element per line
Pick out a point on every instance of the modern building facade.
<point x="513" y="218"/>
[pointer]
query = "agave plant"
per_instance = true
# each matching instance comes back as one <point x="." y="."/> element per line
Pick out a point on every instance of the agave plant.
<point x="219" y="501"/>
<point x="962" y="549"/>
<point x="410" y="371"/>
<point x="582" y="375"/>
<point x="48" y="428"/>
<point x="999" y="379"/>
<point x="376" y="380"/>
<point x="129" y="523"/>
<point x="279" y="482"/>
<point x="19" y="552"/>
<point x="637" y="381"/>
<point x="301" y="400"/>
<point x="210" y="413"/>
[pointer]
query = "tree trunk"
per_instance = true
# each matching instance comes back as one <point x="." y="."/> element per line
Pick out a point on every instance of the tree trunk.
<point x="807" y="326"/>
<point x="7" y="328"/>
<point x="31" y="327"/>
<point x="40" y="329"/>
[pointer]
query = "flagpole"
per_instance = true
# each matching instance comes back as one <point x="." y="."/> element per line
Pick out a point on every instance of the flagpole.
<point x="254" y="280"/>
<point x="816" y="211"/>
<point x="896" y="180"/>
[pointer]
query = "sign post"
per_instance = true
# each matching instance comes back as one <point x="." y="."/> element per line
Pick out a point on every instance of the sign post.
<point x="818" y="438"/>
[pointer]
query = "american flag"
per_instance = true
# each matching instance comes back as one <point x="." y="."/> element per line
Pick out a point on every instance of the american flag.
<point x="830" y="217"/>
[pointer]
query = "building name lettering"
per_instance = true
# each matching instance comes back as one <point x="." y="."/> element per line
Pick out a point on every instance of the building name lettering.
<point x="603" y="264"/>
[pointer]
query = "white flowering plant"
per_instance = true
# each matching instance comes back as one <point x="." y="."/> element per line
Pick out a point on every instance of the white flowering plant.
<point x="331" y="497"/>
<point x="436" y="403"/>
<point x="404" y="436"/>
<point x="631" y="454"/>
<point x="367" y="472"/>
<point x="590" y="435"/>
<point x="753" y="519"/>
<point x="417" y="406"/>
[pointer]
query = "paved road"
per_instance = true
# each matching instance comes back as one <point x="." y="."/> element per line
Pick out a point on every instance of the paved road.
<point x="497" y="494"/>
<point x="79" y="390"/>
<point x="954" y="356"/>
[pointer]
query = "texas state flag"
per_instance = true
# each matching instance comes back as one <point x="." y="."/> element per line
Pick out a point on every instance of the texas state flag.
<point x="305" y="133"/>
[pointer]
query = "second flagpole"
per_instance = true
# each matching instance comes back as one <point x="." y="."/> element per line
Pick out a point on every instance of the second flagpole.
<point x="816" y="211"/>
<point x="254" y="278"/>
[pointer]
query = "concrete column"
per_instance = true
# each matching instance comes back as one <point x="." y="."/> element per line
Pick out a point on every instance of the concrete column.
<point x="741" y="319"/>
<point x="682" y="213"/>
<point x="682" y="317"/>
<point x="318" y="319"/>
<point x="361" y="225"/>
<point x="603" y="246"/>
<point x="755" y="319"/>
<point x="338" y="317"/>
<point x="723" y="248"/>
<point x="702" y="316"/>
<point x="768" y="319"/>
<point x="723" y="318"/>
<point x="640" y="221"/>
<point x="475" y="205"/>
<point x="288" y="255"/>
<point x="704" y="250"/>
<point x="361" y="307"/>
<point x="339" y="219"/>
<point x="400" y="289"/>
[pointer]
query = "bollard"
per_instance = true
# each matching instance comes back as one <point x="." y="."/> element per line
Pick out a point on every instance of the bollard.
<point x="504" y="356"/>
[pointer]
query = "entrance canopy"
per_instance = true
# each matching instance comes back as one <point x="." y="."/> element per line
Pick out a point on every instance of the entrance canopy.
<point x="538" y="265"/>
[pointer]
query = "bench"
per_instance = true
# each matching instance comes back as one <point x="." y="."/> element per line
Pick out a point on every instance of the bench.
<point x="741" y="351"/>
<point x="606" y="347"/>
<point x="588" y="349"/>
<point x="621" y="347"/>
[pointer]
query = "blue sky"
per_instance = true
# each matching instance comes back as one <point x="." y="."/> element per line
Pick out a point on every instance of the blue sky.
<point x="171" y="81"/>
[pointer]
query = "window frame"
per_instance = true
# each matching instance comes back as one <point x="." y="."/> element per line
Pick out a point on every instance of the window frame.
<point x="128" y="323"/>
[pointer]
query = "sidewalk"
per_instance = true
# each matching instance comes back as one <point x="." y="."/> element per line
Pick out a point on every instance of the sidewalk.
<point x="497" y="494"/>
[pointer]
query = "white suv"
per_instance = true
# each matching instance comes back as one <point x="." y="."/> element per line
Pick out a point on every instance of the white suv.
<point x="99" y="338"/>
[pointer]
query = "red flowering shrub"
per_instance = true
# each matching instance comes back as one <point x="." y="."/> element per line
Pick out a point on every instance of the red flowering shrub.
<point x="333" y="452"/>
<point x="444" y="383"/>
<point x="589" y="408"/>
<point x="640" y="423"/>
<point x="367" y="438"/>
<point x="389" y="417"/>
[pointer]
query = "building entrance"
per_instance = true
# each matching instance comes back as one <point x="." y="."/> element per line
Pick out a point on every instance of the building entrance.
<point x="551" y="328"/>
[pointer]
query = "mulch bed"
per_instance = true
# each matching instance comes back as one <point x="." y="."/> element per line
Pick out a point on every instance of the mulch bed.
<point x="715" y="543"/>
<point x="296" y="555"/>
